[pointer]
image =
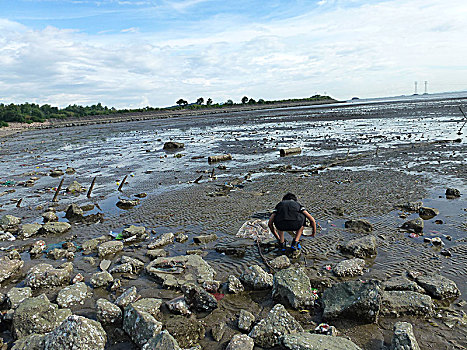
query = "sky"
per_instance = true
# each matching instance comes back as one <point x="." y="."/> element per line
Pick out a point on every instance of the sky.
<point x="132" y="54"/>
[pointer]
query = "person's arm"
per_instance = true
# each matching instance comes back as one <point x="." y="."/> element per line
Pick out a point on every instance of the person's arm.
<point x="271" y="226"/>
<point x="313" y="222"/>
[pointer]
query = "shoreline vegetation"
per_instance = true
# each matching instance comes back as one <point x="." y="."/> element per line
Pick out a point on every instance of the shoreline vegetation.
<point x="17" y="117"/>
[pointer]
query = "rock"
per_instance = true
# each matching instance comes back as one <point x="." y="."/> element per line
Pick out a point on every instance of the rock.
<point x="55" y="228"/>
<point x="76" y="332"/>
<point x="49" y="216"/>
<point x="403" y="338"/>
<point x="281" y="262"/>
<point x="10" y="223"/>
<point x="162" y="341"/>
<point x="452" y="193"/>
<point x="278" y="323"/>
<point x="56" y="253"/>
<point x="127" y="297"/>
<point x="90" y="245"/>
<point x="56" y="173"/>
<point x="198" y="299"/>
<point x="16" y="295"/>
<point x="356" y="300"/>
<point x="256" y="278"/>
<point x="156" y="253"/>
<point x="194" y="252"/>
<point x="187" y="331"/>
<point x="75" y="187"/>
<point x="127" y="203"/>
<point x="37" y="248"/>
<point x="218" y="331"/>
<point x="138" y="231"/>
<point x="170" y="145"/>
<point x="415" y="225"/>
<point x="6" y="236"/>
<point x="74" y="213"/>
<point x="401" y="303"/>
<point x="359" y="225"/>
<point x="101" y="279"/>
<point x="293" y="286"/>
<point x="31" y="342"/>
<point x="436" y="241"/>
<point x="178" y="306"/>
<point x="140" y="325"/>
<point x="211" y="286"/>
<point x="360" y="247"/>
<point x="308" y="341"/>
<point x="29" y="230"/>
<point x="203" y="239"/>
<point x="176" y="271"/>
<point x="234" y="285"/>
<point x="245" y="320"/>
<point x="73" y="295"/>
<point x="8" y="267"/>
<point x="162" y="240"/>
<point x="128" y="265"/>
<point x="70" y="170"/>
<point x="410" y="206"/>
<point x="237" y="248"/>
<point x="240" y="342"/>
<point x="46" y="276"/>
<point x="37" y="315"/>
<point x="105" y="264"/>
<point x="108" y="248"/>
<point x="180" y="237"/>
<point x="403" y="284"/>
<point x="427" y="213"/>
<point x="349" y="268"/>
<point x="446" y="252"/>
<point x="438" y="286"/>
<point x="149" y="305"/>
<point x="108" y="313"/>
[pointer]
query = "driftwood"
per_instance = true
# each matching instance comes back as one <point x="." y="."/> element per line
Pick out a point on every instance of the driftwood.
<point x="121" y="185"/>
<point x="465" y="116"/>
<point x="219" y="158"/>
<point x="198" y="179"/>
<point x="287" y="151"/>
<point x="58" y="190"/>
<point x="19" y="203"/>
<point x="91" y="187"/>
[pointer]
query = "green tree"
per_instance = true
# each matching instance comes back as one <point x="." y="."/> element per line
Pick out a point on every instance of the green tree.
<point x="229" y="102"/>
<point x="182" y="102"/>
<point x="244" y="99"/>
<point x="200" y="101"/>
<point x="209" y="101"/>
<point x="251" y="101"/>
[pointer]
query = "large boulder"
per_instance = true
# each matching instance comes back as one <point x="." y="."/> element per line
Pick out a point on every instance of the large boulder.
<point x="108" y="248"/>
<point x="309" y="341"/>
<point x="240" y="342"/>
<point x="162" y="240"/>
<point x="74" y="213"/>
<point x="359" y="225"/>
<point x="127" y="297"/>
<point x="8" y="267"/>
<point x="198" y="299"/>
<point x="170" y="145"/>
<point x="203" y="239"/>
<point x="72" y="295"/>
<point x="139" y="321"/>
<point x="31" y="342"/>
<point x="37" y="315"/>
<point x="402" y="283"/>
<point x="415" y="225"/>
<point x="76" y="332"/>
<point x="187" y="331"/>
<point x="46" y="276"/>
<point x="256" y="278"/>
<point x="269" y="331"/>
<point x="452" y="193"/>
<point x="162" y="341"/>
<point x="16" y="295"/>
<point x="9" y="223"/>
<point x="107" y="312"/>
<point x="101" y="279"/>
<point x="138" y="231"/>
<point x="438" y="286"/>
<point x="360" y="247"/>
<point x="400" y="303"/>
<point x="349" y="268"/>
<point x="403" y="338"/>
<point x="427" y="213"/>
<point x="75" y="187"/>
<point x="176" y="271"/>
<point x="55" y="228"/>
<point x="356" y="300"/>
<point x="281" y="262"/>
<point x="234" y="285"/>
<point x="29" y="230"/>
<point x="293" y="286"/>
<point x="245" y="320"/>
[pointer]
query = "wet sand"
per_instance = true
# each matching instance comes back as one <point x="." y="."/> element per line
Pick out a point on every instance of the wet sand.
<point x="385" y="154"/>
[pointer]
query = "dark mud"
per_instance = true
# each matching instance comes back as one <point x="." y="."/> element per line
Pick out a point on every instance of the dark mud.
<point x="373" y="156"/>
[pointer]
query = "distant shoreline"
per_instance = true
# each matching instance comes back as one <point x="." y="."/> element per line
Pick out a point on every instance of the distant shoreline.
<point x="15" y="127"/>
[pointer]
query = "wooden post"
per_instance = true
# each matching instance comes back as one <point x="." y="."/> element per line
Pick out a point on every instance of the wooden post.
<point x="19" y="203"/>
<point x="91" y="187"/>
<point x="220" y="158"/>
<point x="121" y="185"/>
<point x="287" y="151"/>
<point x="55" y="199"/>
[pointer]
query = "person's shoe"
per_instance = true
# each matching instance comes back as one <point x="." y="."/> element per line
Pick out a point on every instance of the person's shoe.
<point x="295" y="246"/>
<point x="282" y="246"/>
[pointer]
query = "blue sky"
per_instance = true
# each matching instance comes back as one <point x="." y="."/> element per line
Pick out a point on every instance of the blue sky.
<point x="148" y="52"/>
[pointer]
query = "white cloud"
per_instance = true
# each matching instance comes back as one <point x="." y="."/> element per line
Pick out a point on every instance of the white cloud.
<point x="369" y="50"/>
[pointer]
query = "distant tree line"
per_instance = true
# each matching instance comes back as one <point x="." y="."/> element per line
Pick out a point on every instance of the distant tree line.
<point x="31" y="112"/>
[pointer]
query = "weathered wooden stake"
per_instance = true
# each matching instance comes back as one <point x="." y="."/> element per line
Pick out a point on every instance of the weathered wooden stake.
<point x="19" y="203"/>
<point x="219" y="158"/>
<point x="287" y="151"/>
<point x="55" y="199"/>
<point x="121" y="185"/>
<point x="198" y="179"/>
<point x="91" y="187"/>
<point x="212" y="173"/>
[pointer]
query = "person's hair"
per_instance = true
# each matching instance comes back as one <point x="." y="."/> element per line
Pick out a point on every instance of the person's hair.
<point x="289" y="196"/>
